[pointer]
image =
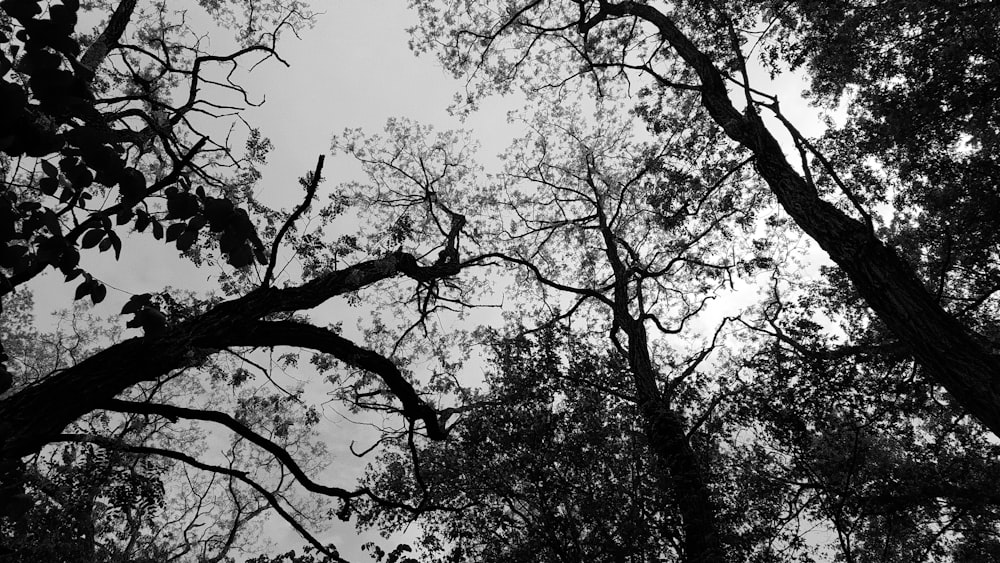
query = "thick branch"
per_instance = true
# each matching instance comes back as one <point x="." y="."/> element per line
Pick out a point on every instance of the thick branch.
<point x="29" y="419"/>
<point x="290" y="333"/>
<point x="108" y="39"/>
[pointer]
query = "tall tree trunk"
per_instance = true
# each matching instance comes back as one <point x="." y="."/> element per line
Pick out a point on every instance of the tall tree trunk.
<point x="954" y="356"/>
<point x="679" y="470"/>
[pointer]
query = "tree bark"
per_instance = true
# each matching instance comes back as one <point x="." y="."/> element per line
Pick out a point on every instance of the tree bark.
<point x="95" y="54"/>
<point x="681" y="471"/>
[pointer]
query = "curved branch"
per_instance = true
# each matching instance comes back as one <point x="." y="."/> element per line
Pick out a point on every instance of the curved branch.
<point x="240" y="475"/>
<point x="291" y="333"/>
<point x="584" y="292"/>
<point x="172" y="413"/>
<point x="29" y="419"/>
<point x="313" y="183"/>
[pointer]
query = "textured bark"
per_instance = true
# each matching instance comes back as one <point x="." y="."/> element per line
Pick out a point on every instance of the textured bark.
<point x="953" y="355"/>
<point x="95" y="54"/>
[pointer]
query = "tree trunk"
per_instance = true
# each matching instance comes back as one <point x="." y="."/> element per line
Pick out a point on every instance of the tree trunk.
<point x="678" y="469"/>
<point x="685" y="479"/>
<point x="954" y="356"/>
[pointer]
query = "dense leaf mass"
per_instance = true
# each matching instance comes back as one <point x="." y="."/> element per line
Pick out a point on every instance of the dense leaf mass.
<point x="551" y="467"/>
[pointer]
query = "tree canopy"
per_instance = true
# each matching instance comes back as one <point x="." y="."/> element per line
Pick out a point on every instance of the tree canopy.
<point x="676" y="379"/>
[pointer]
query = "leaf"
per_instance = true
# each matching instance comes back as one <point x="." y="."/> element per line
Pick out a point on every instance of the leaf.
<point x="132" y="186"/>
<point x="230" y="241"/>
<point x="141" y="221"/>
<point x="174" y="231"/>
<point x="9" y="255"/>
<point x="49" y="169"/>
<point x="48" y="185"/>
<point x="83" y="289"/>
<point x="181" y="205"/>
<point x="116" y="242"/>
<point x="67" y="194"/>
<point x="98" y="293"/>
<point x="91" y="238"/>
<point x="197" y="222"/>
<point x="124" y="215"/>
<point x="68" y="260"/>
<point x="67" y="163"/>
<point x="186" y="239"/>
<point x="80" y="176"/>
<point x="157" y="229"/>
<point x="260" y="254"/>
<point x="219" y="212"/>
<point x="241" y="257"/>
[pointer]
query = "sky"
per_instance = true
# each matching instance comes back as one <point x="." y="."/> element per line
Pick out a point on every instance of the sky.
<point x="352" y="70"/>
<point x="355" y="70"/>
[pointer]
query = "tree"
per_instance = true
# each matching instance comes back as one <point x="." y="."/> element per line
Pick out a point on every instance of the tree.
<point x="506" y="58"/>
<point x="97" y="123"/>
<point x="97" y="502"/>
<point x="622" y="235"/>
<point x="550" y="466"/>
<point x="611" y="230"/>
<point x="854" y="442"/>
<point x="697" y="48"/>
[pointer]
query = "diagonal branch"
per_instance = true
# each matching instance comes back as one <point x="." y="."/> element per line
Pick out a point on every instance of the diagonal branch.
<point x="95" y="54"/>
<point x="30" y="418"/>
<point x="291" y="333"/>
<point x="955" y="355"/>
<point x="236" y="474"/>
<point x="172" y="412"/>
<point x="311" y="183"/>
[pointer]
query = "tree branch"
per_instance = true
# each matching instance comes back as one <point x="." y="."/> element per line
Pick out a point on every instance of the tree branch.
<point x="172" y="413"/>
<point x="291" y="333"/>
<point x="311" y="184"/>
<point x="240" y="475"/>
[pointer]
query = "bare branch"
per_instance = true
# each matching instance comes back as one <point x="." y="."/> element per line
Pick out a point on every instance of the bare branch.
<point x="173" y="413"/>
<point x="236" y="474"/>
<point x="312" y="182"/>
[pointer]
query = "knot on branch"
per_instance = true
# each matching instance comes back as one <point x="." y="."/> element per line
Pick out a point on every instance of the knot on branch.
<point x="443" y="268"/>
<point x="423" y="411"/>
